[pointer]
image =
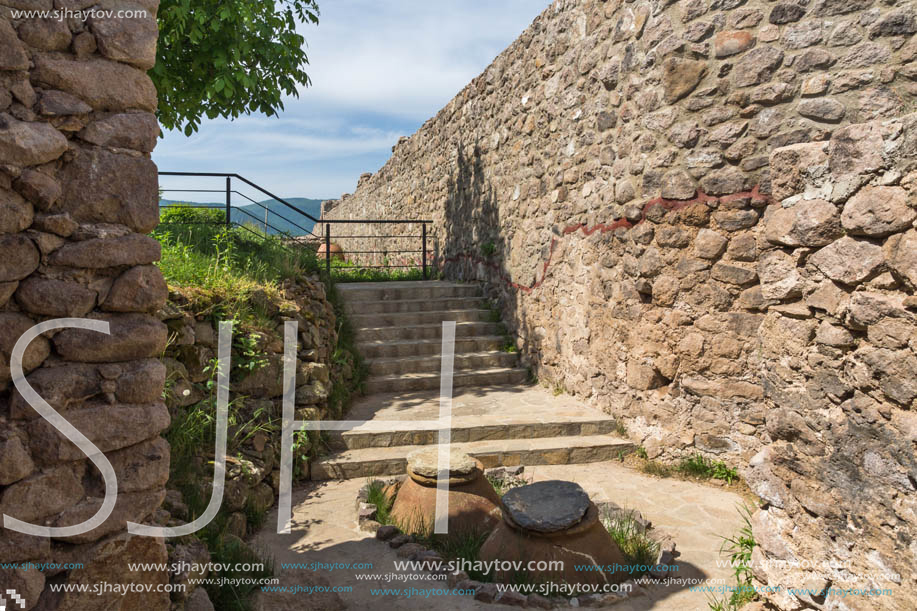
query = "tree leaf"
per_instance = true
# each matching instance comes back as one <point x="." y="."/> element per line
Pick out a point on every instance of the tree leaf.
<point x="226" y="58"/>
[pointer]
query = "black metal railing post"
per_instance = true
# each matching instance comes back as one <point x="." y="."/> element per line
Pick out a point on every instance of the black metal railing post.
<point x="228" y="200"/>
<point x="328" y="248"/>
<point x="423" y="242"/>
<point x="309" y="237"/>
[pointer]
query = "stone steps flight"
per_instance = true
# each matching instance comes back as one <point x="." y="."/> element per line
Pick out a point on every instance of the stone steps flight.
<point x="498" y="416"/>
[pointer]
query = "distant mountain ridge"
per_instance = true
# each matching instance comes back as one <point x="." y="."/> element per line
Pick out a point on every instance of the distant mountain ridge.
<point x="292" y="222"/>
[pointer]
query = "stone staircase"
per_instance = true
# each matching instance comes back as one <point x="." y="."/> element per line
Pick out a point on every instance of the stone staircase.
<point x="398" y="327"/>
<point x="497" y="416"/>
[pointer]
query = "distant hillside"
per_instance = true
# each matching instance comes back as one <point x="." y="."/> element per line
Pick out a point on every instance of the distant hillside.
<point x="292" y="223"/>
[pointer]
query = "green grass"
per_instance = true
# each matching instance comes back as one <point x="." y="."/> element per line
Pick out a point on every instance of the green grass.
<point x="345" y="271"/>
<point x="738" y="548"/>
<point x="703" y="468"/>
<point x="382" y="502"/>
<point x="230" y="552"/>
<point x="651" y="467"/>
<point x="466" y="545"/>
<point x="193" y="429"/>
<point x="190" y="434"/>
<point x="225" y="266"/>
<point x="255" y="517"/>
<point x="235" y="273"/>
<point x="638" y="548"/>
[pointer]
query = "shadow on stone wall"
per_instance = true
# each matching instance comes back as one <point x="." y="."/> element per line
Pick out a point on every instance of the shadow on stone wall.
<point x="472" y="217"/>
<point x="475" y="245"/>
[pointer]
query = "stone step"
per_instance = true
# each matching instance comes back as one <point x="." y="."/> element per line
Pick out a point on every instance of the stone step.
<point x="413" y="305"/>
<point x="380" y="462"/>
<point x="402" y="319"/>
<point x="432" y="363"/>
<point x="427" y="347"/>
<point x="429" y="331"/>
<point x="407" y="290"/>
<point x="431" y="381"/>
<point x="471" y="429"/>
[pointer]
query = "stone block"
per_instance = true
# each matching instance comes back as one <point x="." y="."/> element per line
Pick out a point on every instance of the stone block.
<point x="131" y="249"/>
<point x="16" y="214"/>
<point x="25" y="143"/>
<point x="12" y="327"/>
<point x="809" y="222"/>
<point x="15" y="460"/>
<point x="132" y="336"/>
<point x="103" y="84"/>
<point x="45" y="34"/>
<point x="39" y="188"/>
<point x="847" y="260"/>
<point x="139" y="289"/>
<point x="131" y="40"/>
<point x="680" y="77"/>
<point x="12" y="52"/>
<point x="757" y="66"/>
<point x="44" y="494"/>
<point x="135" y="130"/>
<point x="109" y="427"/>
<point x="878" y="211"/>
<point x="107" y="187"/>
<point x="727" y="43"/>
<point x="56" y="298"/>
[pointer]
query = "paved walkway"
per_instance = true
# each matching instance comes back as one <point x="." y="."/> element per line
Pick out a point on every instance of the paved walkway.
<point x="325" y="530"/>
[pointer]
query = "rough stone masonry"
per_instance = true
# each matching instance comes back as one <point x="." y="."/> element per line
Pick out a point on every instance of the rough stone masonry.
<point x="78" y="191"/>
<point x="700" y="216"/>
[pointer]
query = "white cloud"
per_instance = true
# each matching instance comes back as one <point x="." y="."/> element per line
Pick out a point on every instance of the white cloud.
<point x="281" y="143"/>
<point x="407" y="58"/>
<point x="379" y="70"/>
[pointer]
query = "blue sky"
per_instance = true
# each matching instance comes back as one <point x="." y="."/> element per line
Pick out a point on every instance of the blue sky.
<point x="378" y="70"/>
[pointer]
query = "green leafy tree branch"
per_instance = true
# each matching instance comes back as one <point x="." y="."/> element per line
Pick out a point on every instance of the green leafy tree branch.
<point x="226" y="58"/>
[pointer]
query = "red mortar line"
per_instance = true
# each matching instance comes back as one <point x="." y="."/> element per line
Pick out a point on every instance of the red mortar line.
<point x="668" y="204"/>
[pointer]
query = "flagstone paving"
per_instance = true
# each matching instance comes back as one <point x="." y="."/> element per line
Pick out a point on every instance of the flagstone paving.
<point x="325" y="531"/>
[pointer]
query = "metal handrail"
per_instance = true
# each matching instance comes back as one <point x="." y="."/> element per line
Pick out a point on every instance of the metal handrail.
<point x="327" y="222"/>
<point x="286" y="203"/>
<point x="254" y="202"/>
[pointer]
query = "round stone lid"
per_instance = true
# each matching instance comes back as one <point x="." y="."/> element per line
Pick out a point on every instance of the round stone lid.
<point x="548" y="506"/>
<point x="424" y="462"/>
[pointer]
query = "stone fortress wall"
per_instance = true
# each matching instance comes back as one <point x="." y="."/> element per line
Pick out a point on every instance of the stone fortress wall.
<point x="699" y="216"/>
<point x="78" y="191"/>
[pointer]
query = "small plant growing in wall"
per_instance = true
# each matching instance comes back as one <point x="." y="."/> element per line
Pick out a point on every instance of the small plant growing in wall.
<point x="248" y="356"/>
<point x="302" y="445"/>
<point x="739" y="548"/>
<point x="488" y="249"/>
<point x="508" y="344"/>
<point x="701" y="467"/>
